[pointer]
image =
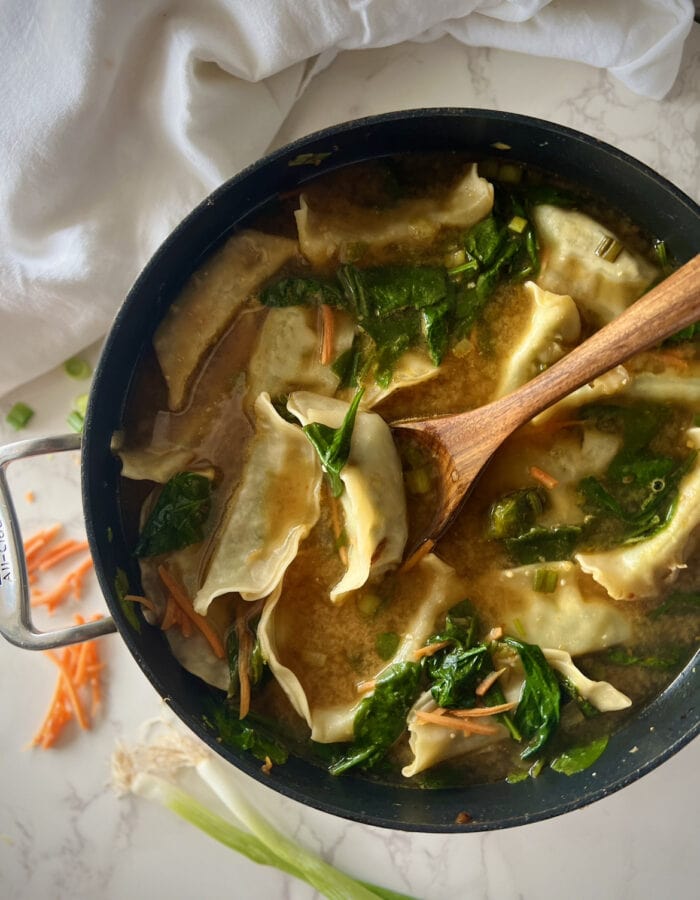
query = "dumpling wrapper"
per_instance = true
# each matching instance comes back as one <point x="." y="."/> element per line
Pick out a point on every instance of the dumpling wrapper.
<point x="324" y="234"/>
<point x="373" y="502"/>
<point x="209" y="302"/>
<point x="554" y="323"/>
<point x="286" y="355"/>
<point x="569" y="458"/>
<point x="413" y="367"/>
<point x="570" y="265"/>
<point x="563" y="619"/>
<point x="611" y="383"/>
<point x="274" y="507"/>
<point x="640" y="570"/>
<point x="601" y="694"/>
<point x="424" y="594"/>
<point x="434" y="744"/>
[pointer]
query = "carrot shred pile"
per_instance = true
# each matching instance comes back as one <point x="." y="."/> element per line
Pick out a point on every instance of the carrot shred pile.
<point x="42" y="554"/>
<point x="178" y="595"/>
<point x="78" y="691"/>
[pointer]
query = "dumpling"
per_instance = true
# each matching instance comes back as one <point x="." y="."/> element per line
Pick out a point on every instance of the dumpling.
<point x="413" y="367"/>
<point x="563" y="619"/>
<point x="209" y="302"/>
<point x="297" y="646"/>
<point x="275" y="506"/>
<point x="373" y="502"/>
<point x="601" y="694"/>
<point x="570" y="265"/>
<point x="327" y="233"/>
<point x="286" y="355"/>
<point x="613" y="382"/>
<point x="569" y="459"/>
<point x="554" y="323"/>
<point x="666" y="388"/>
<point x="434" y="744"/>
<point x="151" y="465"/>
<point x="636" y="571"/>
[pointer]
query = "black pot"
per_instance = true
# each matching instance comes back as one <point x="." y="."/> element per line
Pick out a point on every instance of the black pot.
<point x="657" y="731"/>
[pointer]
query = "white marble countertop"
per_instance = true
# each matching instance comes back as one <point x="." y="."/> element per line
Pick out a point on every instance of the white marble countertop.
<point x="63" y="832"/>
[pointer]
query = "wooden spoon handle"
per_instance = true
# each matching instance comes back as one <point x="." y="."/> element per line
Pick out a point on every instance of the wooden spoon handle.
<point x="670" y="306"/>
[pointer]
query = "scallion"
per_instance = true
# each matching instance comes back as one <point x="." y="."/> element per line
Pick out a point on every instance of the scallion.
<point x="418" y="481"/>
<point x="609" y="248"/>
<point x="150" y="771"/>
<point x="77" y="368"/>
<point x="76" y="420"/>
<point x="80" y="404"/>
<point x="19" y="416"/>
<point x="517" y="224"/>
<point x="545" y="581"/>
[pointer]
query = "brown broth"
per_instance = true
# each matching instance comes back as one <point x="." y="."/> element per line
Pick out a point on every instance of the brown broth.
<point x="335" y="647"/>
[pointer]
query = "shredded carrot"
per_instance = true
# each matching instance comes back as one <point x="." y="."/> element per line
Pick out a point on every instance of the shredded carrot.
<point x="144" y="601"/>
<point x="266" y="767"/>
<point x="480" y="711"/>
<point x="37" y="542"/>
<point x="72" y="583"/>
<point x="61" y="551"/>
<point x="544" y="478"/>
<point x="490" y="680"/>
<point x="417" y="556"/>
<point x="79" y="668"/>
<point x="327" y="334"/>
<point x="364" y="687"/>
<point x="244" y="650"/>
<point x="179" y="595"/>
<point x="671" y="358"/>
<point x="30" y="497"/>
<point x="430" y="649"/>
<point x="445" y="721"/>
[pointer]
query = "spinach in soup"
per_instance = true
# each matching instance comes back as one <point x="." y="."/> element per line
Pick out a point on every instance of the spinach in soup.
<point x="269" y="494"/>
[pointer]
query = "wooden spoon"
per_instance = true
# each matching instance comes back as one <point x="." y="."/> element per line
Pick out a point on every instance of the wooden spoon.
<point x="462" y="444"/>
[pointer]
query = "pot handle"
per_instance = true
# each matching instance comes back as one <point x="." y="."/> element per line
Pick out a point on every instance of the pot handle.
<point x="15" y="608"/>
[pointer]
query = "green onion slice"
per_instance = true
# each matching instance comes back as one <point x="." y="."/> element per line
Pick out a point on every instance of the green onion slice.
<point x="19" y="416"/>
<point x="77" y="368"/>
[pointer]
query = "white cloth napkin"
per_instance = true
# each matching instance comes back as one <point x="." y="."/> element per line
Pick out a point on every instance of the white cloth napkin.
<point x="118" y="117"/>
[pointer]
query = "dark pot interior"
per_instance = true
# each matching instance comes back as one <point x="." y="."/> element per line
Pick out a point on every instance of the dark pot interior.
<point x="658" y="207"/>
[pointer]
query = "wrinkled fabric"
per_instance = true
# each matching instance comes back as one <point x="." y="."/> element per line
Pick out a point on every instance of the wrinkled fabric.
<point x="118" y="118"/>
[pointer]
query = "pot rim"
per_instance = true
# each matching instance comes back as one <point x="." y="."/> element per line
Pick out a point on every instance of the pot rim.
<point x="662" y="727"/>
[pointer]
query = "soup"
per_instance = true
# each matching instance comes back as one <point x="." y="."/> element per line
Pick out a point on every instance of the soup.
<point x="271" y="506"/>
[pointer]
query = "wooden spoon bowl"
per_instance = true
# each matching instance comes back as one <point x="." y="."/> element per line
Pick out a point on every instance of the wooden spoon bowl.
<point x="463" y="443"/>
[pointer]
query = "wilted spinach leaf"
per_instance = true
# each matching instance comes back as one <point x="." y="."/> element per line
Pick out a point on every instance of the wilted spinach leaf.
<point x="381" y="718"/>
<point x="178" y="518"/>
<point x="679" y="602"/>
<point x="252" y="733"/>
<point x="543" y="544"/>
<point x="301" y="292"/>
<point x="333" y="444"/>
<point x="515" y="513"/>
<point x="577" y="759"/>
<point x="537" y="714"/>
<point x="667" y="659"/>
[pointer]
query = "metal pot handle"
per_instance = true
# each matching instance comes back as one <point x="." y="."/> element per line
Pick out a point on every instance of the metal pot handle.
<point x="15" y="608"/>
